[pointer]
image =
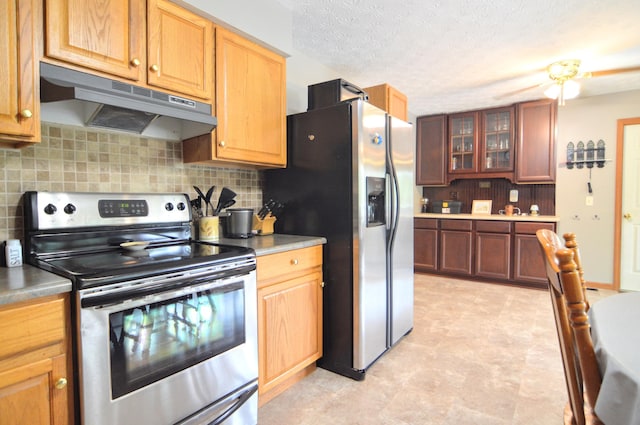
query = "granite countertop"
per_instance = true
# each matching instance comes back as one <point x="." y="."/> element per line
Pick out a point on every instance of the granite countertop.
<point x="545" y="218"/>
<point x="27" y="282"/>
<point x="272" y="244"/>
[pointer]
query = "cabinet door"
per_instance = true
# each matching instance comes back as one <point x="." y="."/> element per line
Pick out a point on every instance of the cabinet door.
<point x="35" y="394"/>
<point x="389" y="99"/>
<point x="19" y="96"/>
<point x="250" y="101"/>
<point x="290" y="328"/>
<point x="425" y="247"/>
<point x="536" y="153"/>
<point x="463" y="146"/>
<point x="456" y="252"/>
<point x="107" y="36"/>
<point x="496" y="140"/>
<point x="493" y="255"/>
<point x="431" y="151"/>
<point x="529" y="264"/>
<point x="180" y="50"/>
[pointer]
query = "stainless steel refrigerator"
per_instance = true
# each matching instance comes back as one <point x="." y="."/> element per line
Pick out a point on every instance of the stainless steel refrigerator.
<point x="350" y="179"/>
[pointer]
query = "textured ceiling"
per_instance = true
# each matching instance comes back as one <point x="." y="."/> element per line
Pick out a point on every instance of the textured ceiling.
<point x="453" y="55"/>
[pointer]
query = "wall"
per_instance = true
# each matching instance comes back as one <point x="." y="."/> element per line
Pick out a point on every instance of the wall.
<point x="77" y="159"/>
<point x="584" y="119"/>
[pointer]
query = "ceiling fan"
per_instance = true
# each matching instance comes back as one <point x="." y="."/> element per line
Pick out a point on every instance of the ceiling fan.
<point x="563" y="75"/>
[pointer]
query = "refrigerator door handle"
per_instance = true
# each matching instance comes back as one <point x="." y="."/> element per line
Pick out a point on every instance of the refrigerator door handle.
<point x="388" y="179"/>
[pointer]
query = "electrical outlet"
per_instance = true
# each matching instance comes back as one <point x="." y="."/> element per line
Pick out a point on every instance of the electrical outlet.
<point x="513" y="195"/>
<point x="589" y="201"/>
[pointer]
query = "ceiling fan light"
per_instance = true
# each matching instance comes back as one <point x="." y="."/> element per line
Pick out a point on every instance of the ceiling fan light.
<point x="553" y="92"/>
<point x="571" y="89"/>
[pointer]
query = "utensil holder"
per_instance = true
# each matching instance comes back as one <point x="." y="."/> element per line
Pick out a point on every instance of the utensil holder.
<point x="264" y="226"/>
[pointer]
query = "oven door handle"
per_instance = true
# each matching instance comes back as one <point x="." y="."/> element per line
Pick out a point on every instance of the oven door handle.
<point x="203" y="416"/>
<point x="159" y="287"/>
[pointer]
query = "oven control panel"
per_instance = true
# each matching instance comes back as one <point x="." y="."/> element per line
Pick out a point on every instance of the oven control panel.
<point x="59" y="210"/>
<point x="123" y="208"/>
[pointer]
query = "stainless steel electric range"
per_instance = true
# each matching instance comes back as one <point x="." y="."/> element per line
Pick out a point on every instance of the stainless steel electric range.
<point x="165" y="327"/>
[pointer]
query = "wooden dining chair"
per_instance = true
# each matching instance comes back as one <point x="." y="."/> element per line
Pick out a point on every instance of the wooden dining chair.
<point x="581" y="371"/>
<point x="571" y="243"/>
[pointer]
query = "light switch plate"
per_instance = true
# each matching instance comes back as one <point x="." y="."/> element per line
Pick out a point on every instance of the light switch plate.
<point x="513" y="195"/>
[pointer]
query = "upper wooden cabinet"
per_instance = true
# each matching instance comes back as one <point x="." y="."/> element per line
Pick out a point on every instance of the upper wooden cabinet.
<point x="180" y="50"/>
<point x="513" y="142"/>
<point x="103" y="36"/>
<point x="388" y="98"/>
<point x="19" y="93"/>
<point x="250" y="106"/>
<point x="497" y="140"/>
<point x="431" y="150"/>
<point x="536" y="142"/>
<point x="160" y="45"/>
<point x="463" y="143"/>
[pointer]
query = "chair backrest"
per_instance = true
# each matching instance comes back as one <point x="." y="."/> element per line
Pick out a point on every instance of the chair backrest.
<point x="572" y="323"/>
<point x="571" y="243"/>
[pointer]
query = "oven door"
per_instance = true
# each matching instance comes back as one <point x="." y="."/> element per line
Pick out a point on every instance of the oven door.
<point x="160" y="357"/>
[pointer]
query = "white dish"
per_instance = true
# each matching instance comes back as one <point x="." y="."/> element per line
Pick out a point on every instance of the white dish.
<point x="134" y="246"/>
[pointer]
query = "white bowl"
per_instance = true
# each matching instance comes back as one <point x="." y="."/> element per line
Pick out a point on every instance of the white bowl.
<point x="134" y="246"/>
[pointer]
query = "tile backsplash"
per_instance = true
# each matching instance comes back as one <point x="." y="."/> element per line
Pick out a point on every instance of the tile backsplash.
<point x="78" y="159"/>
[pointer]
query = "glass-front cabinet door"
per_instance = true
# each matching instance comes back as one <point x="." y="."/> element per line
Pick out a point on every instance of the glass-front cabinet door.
<point x="463" y="146"/>
<point x="497" y="140"/>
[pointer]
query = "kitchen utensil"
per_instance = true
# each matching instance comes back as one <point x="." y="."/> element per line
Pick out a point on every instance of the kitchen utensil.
<point x="207" y="199"/>
<point x="199" y="192"/>
<point x="238" y="223"/>
<point x="226" y="195"/>
<point x="228" y="204"/>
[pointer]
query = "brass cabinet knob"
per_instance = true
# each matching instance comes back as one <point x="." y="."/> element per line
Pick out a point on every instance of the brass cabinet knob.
<point x="627" y="216"/>
<point x="61" y="383"/>
<point x="155" y="68"/>
<point x="26" y="113"/>
<point x="135" y="62"/>
<point x="221" y="144"/>
<point x="322" y="284"/>
<point x="294" y="262"/>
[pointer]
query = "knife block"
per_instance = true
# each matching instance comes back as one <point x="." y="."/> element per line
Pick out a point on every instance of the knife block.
<point x="264" y="226"/>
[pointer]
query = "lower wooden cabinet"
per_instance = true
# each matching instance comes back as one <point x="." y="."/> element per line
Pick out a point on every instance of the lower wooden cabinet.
<point x="495" y="250"/>
<point x="456" y="247"/>
<point x="529" y="265"/>
<point x="425" y="245"/>
<point x="35" y="363"/>
<point x="289" y="318"/>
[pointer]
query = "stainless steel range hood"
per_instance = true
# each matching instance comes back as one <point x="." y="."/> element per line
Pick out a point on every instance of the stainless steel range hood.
<point x="121" y="106"/>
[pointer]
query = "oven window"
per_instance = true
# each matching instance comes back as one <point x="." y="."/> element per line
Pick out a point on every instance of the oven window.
<point x="153" y="341"/>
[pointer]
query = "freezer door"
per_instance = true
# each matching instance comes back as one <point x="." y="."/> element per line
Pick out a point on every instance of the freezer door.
<point x="369" y="283"/>
<point x="401" y="170"/>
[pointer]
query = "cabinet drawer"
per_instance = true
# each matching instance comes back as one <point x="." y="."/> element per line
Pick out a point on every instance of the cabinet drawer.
<point x="493" y="226"/>
<point x="30" y="325"/>
<point x="425" y="223"/>
<point x="456" y="224"/>
<point x="285" y="263"/>
<point x="530" y="228"/>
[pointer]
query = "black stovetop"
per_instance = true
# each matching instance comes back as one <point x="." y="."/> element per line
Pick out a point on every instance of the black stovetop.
<point x="119" y="264"/>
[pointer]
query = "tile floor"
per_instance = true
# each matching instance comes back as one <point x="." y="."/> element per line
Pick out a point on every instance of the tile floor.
<point x="479" y="354"/>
